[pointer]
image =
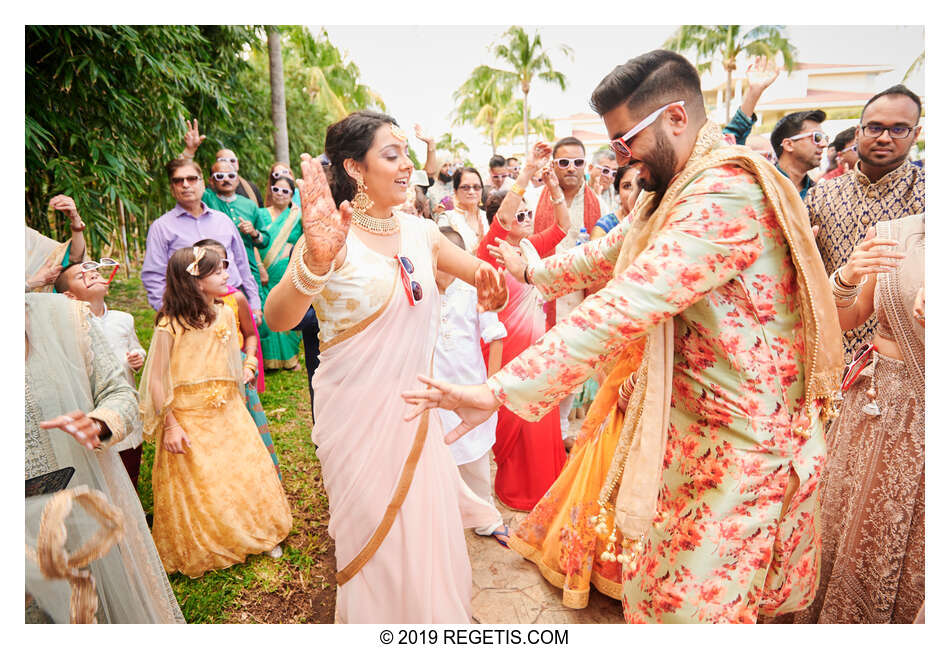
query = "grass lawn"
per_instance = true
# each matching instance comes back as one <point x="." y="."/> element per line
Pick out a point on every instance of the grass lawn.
<point x="298" y="587"/>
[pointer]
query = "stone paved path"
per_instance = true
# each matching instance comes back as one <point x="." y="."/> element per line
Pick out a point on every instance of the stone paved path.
<point x="508" y="589"/>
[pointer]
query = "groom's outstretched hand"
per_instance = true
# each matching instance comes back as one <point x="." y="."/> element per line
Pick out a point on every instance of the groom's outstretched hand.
<point x="472" y="403"/>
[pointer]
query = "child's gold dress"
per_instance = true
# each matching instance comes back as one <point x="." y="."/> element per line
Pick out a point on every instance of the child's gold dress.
<point x="220" y="500"/>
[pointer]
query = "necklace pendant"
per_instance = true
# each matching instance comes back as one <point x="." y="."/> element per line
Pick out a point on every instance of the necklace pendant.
<point x="871" y="408"/>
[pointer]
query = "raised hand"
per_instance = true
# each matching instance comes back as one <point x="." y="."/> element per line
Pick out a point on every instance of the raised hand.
<point x="193" y="138"/>
<point x="67" y="205"/>
<point x="873" y="255"/>
<point x="472" y="403"/>
<point x="324" y="226"/>
<point x="423" y="136"/>
<point x="538" y="156"/>
<point x="491" y="287"/>
<point x="509" y="257"/>
<point x="550" y="181"/>
<point x="761" y="74"/>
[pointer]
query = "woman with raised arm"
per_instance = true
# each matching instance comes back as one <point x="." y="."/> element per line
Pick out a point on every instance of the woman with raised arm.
<point x="529" y="455"/>
<point x="397" y="502"/>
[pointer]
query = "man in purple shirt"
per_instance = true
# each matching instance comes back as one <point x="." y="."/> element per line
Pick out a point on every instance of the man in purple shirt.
<point x="190" y="221"/>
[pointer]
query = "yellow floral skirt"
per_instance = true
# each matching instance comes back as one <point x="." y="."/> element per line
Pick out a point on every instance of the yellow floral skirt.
<point x="220" y="500"/>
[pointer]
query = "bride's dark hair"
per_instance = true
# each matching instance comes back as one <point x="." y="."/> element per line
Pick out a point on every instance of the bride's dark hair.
<point x="351" y="137"/>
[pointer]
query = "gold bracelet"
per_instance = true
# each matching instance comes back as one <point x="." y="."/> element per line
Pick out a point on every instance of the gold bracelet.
<point x="558" y="201"/>
<point x="518" y="189"/>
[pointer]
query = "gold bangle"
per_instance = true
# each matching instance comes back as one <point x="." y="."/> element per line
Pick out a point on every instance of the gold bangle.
<point x="518" y="189"/>
<point x="304" y="279"/>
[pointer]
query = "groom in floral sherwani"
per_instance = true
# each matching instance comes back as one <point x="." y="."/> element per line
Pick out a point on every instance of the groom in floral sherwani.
<point x="718" y="268"/>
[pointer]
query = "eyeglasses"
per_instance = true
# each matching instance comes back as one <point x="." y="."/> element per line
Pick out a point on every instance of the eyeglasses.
<point x="231" y="160"/>
<point x="564" y="163"/>
<point x="607" y="171"/>
<point x="178" y="180"/>
<point x="279" y="172"/>
<point x="621" y="145"/>
<point x="524" y="215"/>
<point x="514" y="170"/>
<point x="470" y="188"/>
<point x="499" y="176"/>
<point x="853" y="147"/>
<point x="816" y="136"/>
<point x="896" y="132"/>
<point x="281" y="190"/>
<point x="413" y="288"/>
<point x="105" y="262"/>
<point x="221" y="175"/>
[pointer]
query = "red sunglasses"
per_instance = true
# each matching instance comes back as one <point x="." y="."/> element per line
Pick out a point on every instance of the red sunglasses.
<point x="412" y="287"/>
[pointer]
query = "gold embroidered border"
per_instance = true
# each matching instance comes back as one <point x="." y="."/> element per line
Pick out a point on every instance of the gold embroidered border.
<point x="360" y="326"/>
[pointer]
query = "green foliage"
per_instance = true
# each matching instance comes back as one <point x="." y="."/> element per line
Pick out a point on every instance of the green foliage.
<point x="726" y="43"/>
<point x="485" y="98"/>
<point x="449" y="144"/>
<point x="106" y="109"/>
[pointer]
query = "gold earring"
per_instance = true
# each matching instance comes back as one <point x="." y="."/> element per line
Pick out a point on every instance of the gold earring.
<point x="361" y="201"/>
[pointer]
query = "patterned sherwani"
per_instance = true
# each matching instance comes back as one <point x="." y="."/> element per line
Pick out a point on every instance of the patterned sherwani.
<point x="720" y="548"/>
<point x="846" y="206"/>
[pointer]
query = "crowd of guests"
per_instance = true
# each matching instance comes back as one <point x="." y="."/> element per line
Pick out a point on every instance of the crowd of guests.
<point x="681" y="293"/>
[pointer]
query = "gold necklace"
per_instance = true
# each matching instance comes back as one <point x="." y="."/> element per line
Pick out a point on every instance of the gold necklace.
<point x="373" y="225"/>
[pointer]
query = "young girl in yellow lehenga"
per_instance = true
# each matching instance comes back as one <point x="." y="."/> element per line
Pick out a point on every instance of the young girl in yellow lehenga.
<point x="217" y="497"/>
<point x="559" y="534"/>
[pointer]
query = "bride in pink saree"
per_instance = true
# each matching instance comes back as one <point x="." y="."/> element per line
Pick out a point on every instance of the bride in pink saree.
<point x="398" y="505"/>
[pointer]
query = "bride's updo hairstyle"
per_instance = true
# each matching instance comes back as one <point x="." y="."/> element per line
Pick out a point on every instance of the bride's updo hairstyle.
<point x="351" y="137"/>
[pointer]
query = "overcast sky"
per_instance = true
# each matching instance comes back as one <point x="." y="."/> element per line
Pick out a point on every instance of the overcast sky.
<point x="416" y="68"/>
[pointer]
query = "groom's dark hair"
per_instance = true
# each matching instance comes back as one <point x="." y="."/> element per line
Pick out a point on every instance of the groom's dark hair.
<point x="651" y="80"/>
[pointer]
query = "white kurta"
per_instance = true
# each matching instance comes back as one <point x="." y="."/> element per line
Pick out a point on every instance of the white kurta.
<point x="458" y="358"/>
<point x="119" y="330"/>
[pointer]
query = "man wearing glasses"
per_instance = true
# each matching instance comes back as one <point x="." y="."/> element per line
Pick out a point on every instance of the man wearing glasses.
<point x="883" y="185"/>
<point x="189" y="221"/>
<point x="799" y="143"/>
<point x="845" y="153"/>
<point x="250" y="220"/>
<point x="713" y="486"/>
<point x="498" y="173"/>
<point x="601" y="172"/>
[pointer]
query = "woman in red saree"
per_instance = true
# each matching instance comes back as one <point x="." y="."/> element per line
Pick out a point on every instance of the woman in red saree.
<point x="529" y="455"/>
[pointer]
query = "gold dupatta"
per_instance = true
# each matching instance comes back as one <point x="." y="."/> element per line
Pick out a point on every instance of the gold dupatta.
<point x="638" y="462"/>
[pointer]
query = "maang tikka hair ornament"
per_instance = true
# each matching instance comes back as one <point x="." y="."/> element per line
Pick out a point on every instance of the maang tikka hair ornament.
<point x="193" y="266"/>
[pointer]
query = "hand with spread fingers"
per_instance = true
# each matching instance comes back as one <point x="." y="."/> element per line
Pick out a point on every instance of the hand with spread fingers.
<point x="193" y="137"/>
<point x="80" y="426"/>
<point x="873" y="255"/>
<point x="472" y="403"/>
<point x="491" y="287"/>
<point x="324" y="226"/>
<point x="47" y="274"/>
<point x="509" y="257"/>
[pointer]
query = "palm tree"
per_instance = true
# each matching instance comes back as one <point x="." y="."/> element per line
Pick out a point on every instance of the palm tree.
<point x="728" y="43"/>
<point x="511" y="123"/>
<point x="918" y="63"/>
<point x="278" y="102"/>
<point x="455" y="147"/>
<point x="481" y="100"/>
<point x="526" y="60"/>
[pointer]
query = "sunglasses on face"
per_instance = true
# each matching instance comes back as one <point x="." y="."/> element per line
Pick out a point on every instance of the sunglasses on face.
<point x="412" y="287"/>
<point x="564" y="163"/>
<point x="178" y="180"/>
<point x="514" y="170"/>
<point x="621" y="145"/>
<point x="524" y="215"/>
<point x="853" y="147"/>
<point x="499" y="176"/>
<point x="96" y="266"/>
<point x="470" y="188"/>
<point x="221" y="175"/>
<point x="279" y="172"/>
<point x="816" y="136"/>
<point x="231" y="160"/>
<point x="896" y="132"/>
<point x="281" y="191"/>
<point x="607" y="171"/>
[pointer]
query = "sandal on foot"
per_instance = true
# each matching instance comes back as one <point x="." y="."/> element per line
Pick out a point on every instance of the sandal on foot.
<point x="499" y="533"/>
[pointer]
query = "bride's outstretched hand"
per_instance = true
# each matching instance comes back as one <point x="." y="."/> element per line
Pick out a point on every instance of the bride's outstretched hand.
<point x="324" y="226"/>
<point x="472" y="403"/>
<point x="491" y="287"/>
